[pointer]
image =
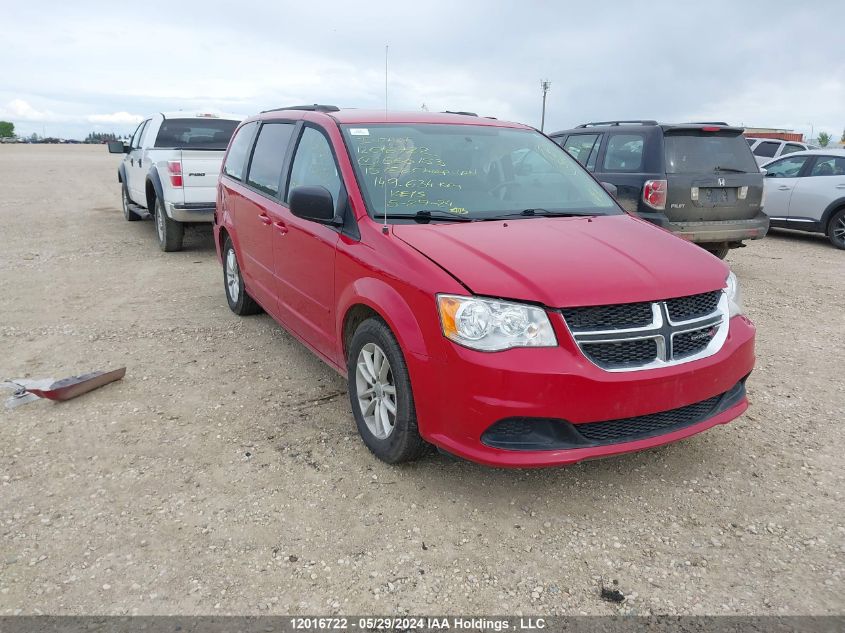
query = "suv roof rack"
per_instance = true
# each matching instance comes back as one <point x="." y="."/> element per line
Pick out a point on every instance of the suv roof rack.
<point x="631" y="121"/>
<point x="459" y="112"/>
<point x="316" y="107"/>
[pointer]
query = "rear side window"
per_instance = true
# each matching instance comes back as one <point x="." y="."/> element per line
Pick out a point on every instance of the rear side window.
<point x="694" y="151"/>
<point x="136" y="138"/>
<point x="583" y="148"/>
<point x="624" y="152"/>
<point x="265" y="169"/>
<point x="786" y="168"/>
<point x="198" y="133"/>
<point x="236" y="158"/>
<point x="791" y="147"/>
<point x="829" y="166"/>
<point x="766" y="149"/>
<point x="314" y="164"/>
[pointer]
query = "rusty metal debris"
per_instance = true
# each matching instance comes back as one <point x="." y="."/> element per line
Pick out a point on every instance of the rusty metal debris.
<point x="26" y="390"/>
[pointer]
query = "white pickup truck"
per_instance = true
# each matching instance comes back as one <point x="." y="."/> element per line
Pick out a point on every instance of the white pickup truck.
<point x="170" y="168"/>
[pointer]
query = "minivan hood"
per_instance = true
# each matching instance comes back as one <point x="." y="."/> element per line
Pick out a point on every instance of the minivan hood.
<point x="562" y="262"/>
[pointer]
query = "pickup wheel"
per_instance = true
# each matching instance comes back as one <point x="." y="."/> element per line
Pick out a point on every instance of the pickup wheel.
<point x="169" y="232"/>
<point x="836" y="229"/>
<point x="233" y="282"/>
<point x="128" y="213"/>
<point x="381" y="396"/>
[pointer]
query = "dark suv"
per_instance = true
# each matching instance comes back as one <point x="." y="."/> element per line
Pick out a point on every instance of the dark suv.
<point x="698" y="180"/>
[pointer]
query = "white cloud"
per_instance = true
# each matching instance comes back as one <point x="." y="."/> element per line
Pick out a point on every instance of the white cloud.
<point x="20" y="110"/>
<point x="115" y="118"/>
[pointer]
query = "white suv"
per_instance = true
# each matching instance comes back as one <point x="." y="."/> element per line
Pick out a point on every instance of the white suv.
<point x="765" y="149"/>
<point x="170" y="170"/>
<point x="806" y="191"/>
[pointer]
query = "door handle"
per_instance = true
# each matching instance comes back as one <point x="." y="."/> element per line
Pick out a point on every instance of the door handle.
<point x="264" y="219"/>
<point x="784" y="188"/>
<point x="281" y="226"/>
<point x="842" y="186"/>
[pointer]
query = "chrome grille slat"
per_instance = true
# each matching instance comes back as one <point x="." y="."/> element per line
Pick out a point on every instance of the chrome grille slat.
<point x="619" y="338"/>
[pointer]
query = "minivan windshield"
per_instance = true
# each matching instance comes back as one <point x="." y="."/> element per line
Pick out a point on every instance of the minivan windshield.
<point x="481" y="172"/>
<point x="694" y="151"/>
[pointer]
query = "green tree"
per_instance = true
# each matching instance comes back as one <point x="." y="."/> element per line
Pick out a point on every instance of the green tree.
<point x="824" y="139"/>
<point x="7" y="129"/>
<point x="843" y="136"/>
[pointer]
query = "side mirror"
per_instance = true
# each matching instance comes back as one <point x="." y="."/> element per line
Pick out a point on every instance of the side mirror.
<point x="313" y="203"/>
<point x="610" y="188"/>
<point x="118" y="147"/>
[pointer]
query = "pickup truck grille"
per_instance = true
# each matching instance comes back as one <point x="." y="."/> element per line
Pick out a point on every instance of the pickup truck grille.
<point x="646" y="335"/>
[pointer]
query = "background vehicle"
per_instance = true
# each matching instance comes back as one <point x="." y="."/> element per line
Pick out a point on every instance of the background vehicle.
<point x="170" y="170"/>
<point x="477" y="287"/>
<point x="806" y="191"/>
<point x="765" y="149"/>
<point x="698" y="180"/>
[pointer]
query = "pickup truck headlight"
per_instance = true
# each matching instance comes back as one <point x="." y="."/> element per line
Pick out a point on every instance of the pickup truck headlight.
<point x="734" y="295"/>
<point x="490" y="325"/>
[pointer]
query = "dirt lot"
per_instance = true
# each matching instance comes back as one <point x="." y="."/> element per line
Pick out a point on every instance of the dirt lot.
<point x="224" y="474"/>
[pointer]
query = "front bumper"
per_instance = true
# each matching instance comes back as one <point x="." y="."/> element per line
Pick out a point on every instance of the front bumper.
<point x="475" y="390"/>
<point x="190" y="212"/>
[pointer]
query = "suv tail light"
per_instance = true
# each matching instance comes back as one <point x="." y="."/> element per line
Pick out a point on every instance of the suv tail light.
<point x="175" y="169"/>
<point x="654" y="194"/>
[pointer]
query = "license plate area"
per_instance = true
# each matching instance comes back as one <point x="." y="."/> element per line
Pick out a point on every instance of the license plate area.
<point x="717" y="196"/>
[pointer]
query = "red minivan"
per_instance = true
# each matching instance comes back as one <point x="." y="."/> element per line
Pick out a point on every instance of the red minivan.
<point x="479" y="289"/>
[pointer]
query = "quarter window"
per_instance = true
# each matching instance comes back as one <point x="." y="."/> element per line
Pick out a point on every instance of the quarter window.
<point x="791" y="147"/>
<point x="268" y="157"/>
<point x="766" y="150"/>
<point x="829" y="166"/>
<point x="238" y="150"/>
<point x="583" y="148"/>
<point x="786" y="168"/>
<point x="314" y="165"/>
<point x="624" y="152"/>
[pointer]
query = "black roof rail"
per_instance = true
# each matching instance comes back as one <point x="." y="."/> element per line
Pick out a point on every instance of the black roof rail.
<point x="316" y="107"/>
<point x="459" y="112"/>
<point x="632" y="121"/>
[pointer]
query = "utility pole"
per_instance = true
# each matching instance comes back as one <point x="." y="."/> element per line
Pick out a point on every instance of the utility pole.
<point x="544" y="84"/>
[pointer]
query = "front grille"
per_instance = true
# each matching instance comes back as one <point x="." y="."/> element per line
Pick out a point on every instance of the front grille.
<point x="689" y="343"/>
<point x="611" y="317"/>
<point x="629" y="428"/>
<point x="629" y="336"/>
<point x="694" y="306"/>
<point x="622" y="353"/>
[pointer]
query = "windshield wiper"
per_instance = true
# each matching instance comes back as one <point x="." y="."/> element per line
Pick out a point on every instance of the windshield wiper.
<point x="426" y="215"/>
<point x="545" y="213"/>
<point x="731" y="169"/>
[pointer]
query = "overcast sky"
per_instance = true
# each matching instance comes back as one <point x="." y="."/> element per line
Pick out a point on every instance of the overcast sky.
<point x="69" y="68"/>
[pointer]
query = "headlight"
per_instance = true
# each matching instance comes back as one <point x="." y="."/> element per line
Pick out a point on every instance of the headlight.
<point x="490" y="325"/>
<point x="734" y="295"/>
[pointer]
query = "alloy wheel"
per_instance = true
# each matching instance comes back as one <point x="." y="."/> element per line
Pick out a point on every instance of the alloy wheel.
<point x="160" y="222"/>
<point x="839" y="230"/>
<point x="233" y="282"/>
<point x="376" y="390"/>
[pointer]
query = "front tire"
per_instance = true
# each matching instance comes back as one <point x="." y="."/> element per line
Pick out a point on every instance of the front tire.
<point x="128" y="213"/>
<point x="169" y="232"/>
<point x="836" y="229"/>
<point x="381" y="396"/>
<point x="233" y="283"/>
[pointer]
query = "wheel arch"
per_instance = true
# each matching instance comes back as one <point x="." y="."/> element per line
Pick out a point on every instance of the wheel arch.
<point x="829" y="212"/>
<point x="369" y="297"/>
<point x="153" y="189"/>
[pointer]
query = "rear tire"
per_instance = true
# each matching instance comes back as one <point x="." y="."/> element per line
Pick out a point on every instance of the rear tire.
<point x="128" y="213"/>
<point x="381" y="396"/>
<point x="233" y="284"/>
<point x="836" y="229"/>
<point x="169" y="232"/>
<point x="721" y="253"/>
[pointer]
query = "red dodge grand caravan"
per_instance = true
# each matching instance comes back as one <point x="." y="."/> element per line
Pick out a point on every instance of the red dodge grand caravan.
<point x="477" y="287"/>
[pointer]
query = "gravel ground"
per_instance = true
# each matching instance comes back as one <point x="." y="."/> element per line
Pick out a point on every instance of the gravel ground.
<point x="224" y="473"/>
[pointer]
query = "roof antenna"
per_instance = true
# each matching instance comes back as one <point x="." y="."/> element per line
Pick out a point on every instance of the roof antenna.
<point x="384" y="228"/>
